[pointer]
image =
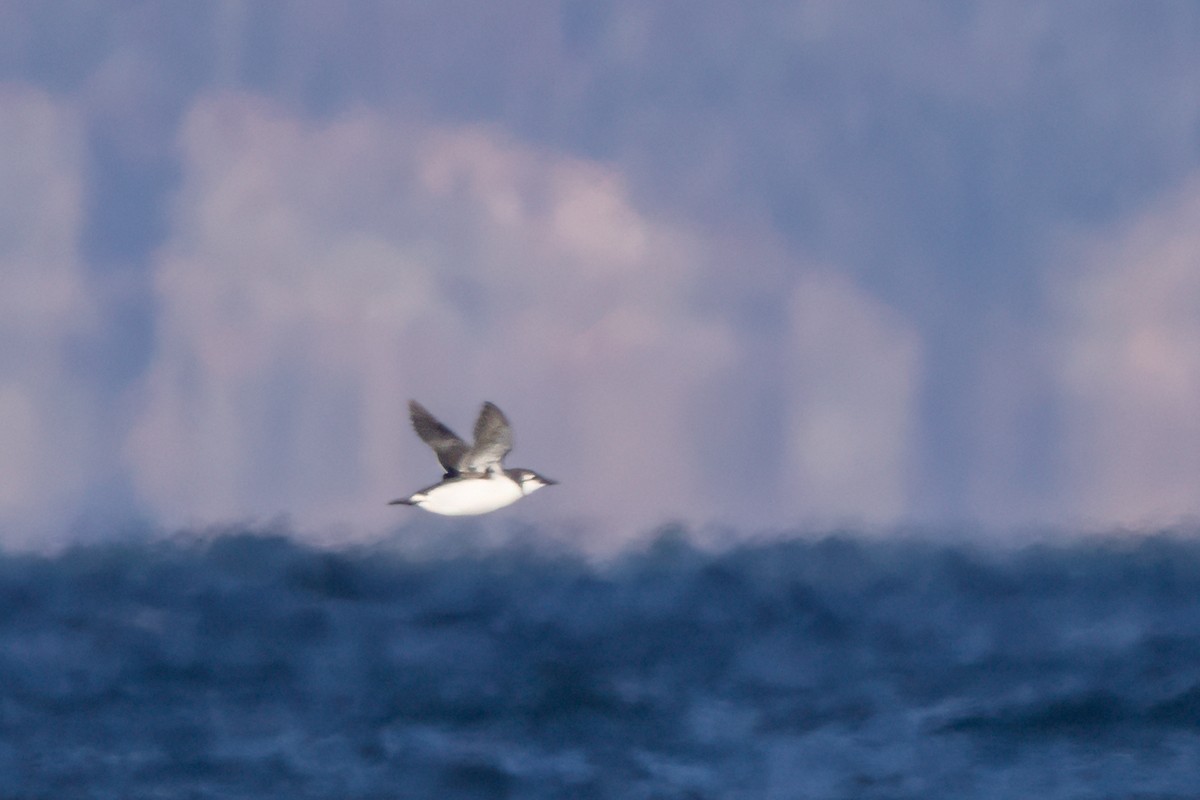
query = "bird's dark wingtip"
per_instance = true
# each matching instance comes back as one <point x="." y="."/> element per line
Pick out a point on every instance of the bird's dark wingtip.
<point x="401" y="501"/>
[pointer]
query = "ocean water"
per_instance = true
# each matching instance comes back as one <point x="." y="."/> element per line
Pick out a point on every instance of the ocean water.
<point x="251" y="666"/>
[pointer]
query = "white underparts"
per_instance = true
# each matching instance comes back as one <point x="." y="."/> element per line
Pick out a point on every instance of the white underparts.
<point x="470" y="495"/>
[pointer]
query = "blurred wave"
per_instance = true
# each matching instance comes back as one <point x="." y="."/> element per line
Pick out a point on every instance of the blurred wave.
<point x="250" y="665"/>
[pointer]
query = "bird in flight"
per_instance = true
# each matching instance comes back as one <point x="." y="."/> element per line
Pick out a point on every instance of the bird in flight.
<point x="476" y="481"/>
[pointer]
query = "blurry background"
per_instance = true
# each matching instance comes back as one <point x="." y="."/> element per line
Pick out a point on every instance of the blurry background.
<point x="920" y="269"/>
<point x="765" y="264"/>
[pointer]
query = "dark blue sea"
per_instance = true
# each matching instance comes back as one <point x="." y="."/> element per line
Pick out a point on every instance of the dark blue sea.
<point x="247" y="665"/>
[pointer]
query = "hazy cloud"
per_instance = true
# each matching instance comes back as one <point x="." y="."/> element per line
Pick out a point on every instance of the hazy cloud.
<point x="47" y="437"/>
<point x="319" y="274"/>
<point x="854" y="376"/>
<point x="1129" y="367"/>
<point x="549" y="207"/>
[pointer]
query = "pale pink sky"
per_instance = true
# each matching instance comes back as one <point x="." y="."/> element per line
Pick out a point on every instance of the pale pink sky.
<point x="745" y="265"/>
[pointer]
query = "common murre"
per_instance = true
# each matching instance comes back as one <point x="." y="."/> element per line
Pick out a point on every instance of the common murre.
<point x="476" y="481"/>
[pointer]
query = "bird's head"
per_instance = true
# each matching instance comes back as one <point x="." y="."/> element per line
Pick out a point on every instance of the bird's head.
<point x="530" y="481"/>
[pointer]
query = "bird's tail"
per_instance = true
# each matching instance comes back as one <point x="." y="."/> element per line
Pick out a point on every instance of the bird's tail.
<point x="402" y="501"/>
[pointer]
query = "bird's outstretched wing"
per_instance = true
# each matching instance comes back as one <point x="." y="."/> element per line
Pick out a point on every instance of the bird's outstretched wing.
<point x="445" y="443"/>
<point x="493" y="440"/>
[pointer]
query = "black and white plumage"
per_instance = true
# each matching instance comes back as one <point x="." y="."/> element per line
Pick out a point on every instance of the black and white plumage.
<point x="475" y="480"/>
